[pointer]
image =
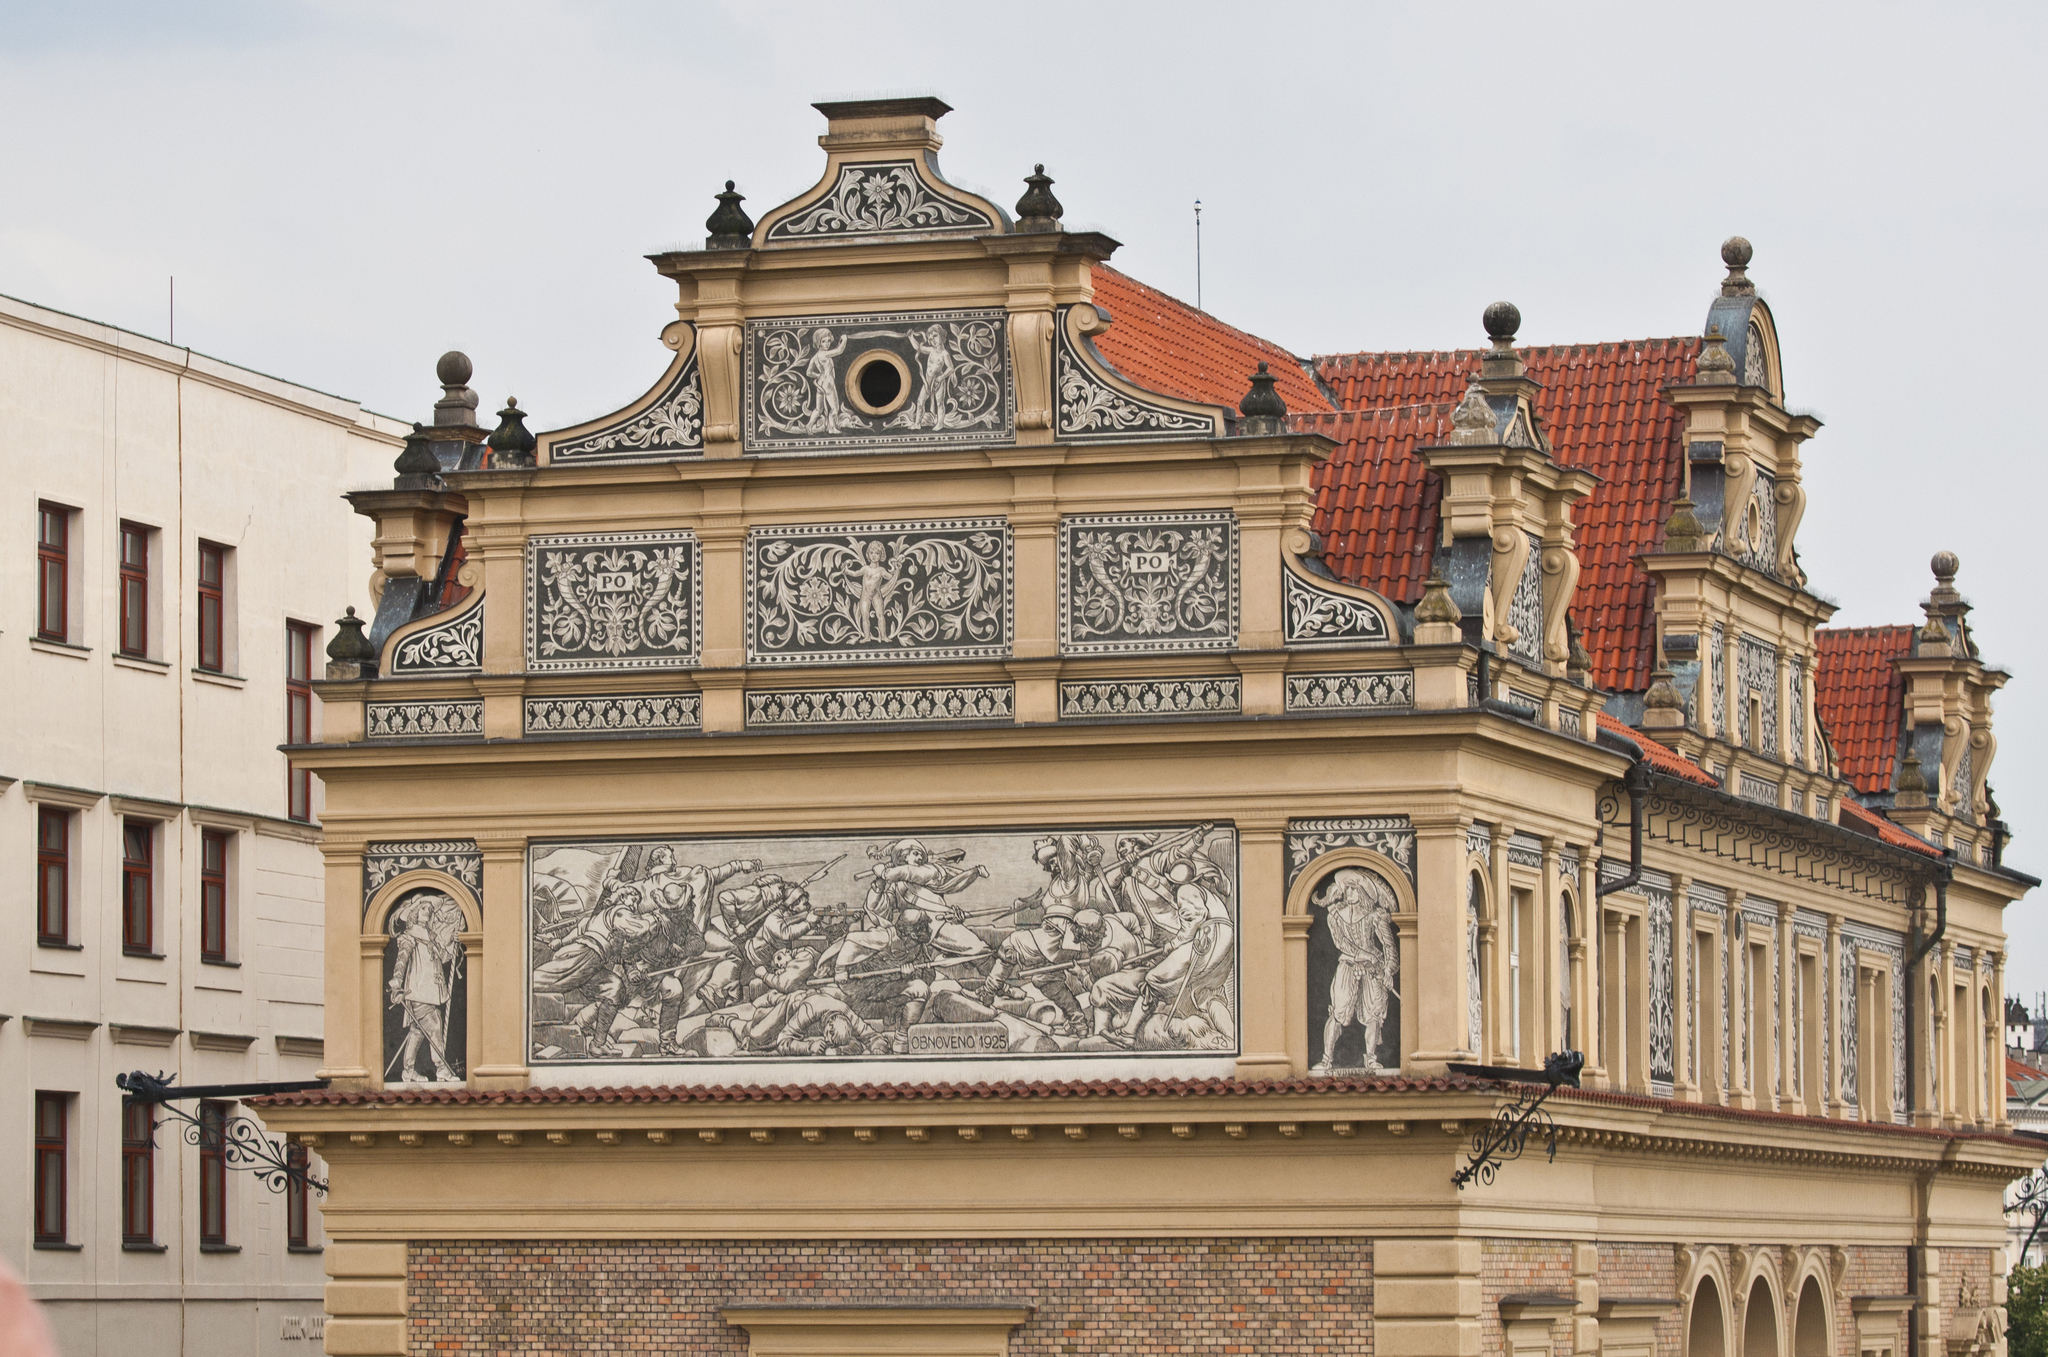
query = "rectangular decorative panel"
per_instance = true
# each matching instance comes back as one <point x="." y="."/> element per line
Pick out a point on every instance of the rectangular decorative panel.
<point x="1351" y="692"/>
<point x="613" y="713"/>
<point x="838" y="593"/>
<point x="803" y="390"/>
<point x="887" y="946"/>
<point x="1132" y="699"/>
<point x="944" y="705"/>
<point x="614" y="600"/>
<point x="423" y="720"/>
<point x="1148" y="583"/>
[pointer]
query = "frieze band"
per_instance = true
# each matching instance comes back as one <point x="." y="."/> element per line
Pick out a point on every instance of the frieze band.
<point x="1134" y="699"/>
<point x="1366" y="691"/>
<point x="423" y="720"/>
<point x="955" y="703"/>
<point x="613" y="713"/>
<point x="459" y="858"/>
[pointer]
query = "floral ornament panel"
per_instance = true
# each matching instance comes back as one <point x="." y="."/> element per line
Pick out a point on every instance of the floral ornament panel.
<point x="613" y="713"/>
<point x="801" y="377"/>
<point x="622" y="600"/>
<point x="879" y="198"/>
<point x="952" y="704"/>
<point x="1089" y="410"/>
<point x="423" y="720"/>
<point x="1136" y="699"/>
<point x="870" y="592"/>
<point x="1324" y="617"/>
<point x="1308" y="840"/>
<point x="671" y="426"/>
<point x="1148" y="583"/>
<point x="452" y="647"/>
<point x="459" y="858"/>
<point x="1351" y="692"/>
<point x="1525" y="608"/>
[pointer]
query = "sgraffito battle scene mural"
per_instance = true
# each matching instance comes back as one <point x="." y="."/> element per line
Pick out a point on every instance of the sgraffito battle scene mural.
<point x="903" y="946"/>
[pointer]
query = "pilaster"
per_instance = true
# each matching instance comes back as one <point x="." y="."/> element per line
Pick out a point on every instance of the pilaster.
<point x="1263" y="1036"/>
<point x="1441" y="1012"/>
<point x="1683" y="1085"/>
<point x="501" y="1060"/>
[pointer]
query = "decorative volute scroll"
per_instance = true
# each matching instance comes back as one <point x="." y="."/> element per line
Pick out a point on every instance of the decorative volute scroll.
<point x="445" y="643"/>
<point x="1948" y="704"/>
<point x="1095" y="403"/>
<point x="1317" y="610"/>
<point x="667" y="422"/>
<point x="881" y="182"/>
<point x="1507" y="551"/>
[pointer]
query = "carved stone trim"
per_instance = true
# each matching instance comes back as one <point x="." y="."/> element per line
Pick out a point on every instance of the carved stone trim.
<point x="619" y="600"/>
<point x="942" y="705"/>
<point x="669" y="426"/>
<point x="1753" y="788"/>
<point x="853" y="593"/>
<point x="423" y="720"/>
<point x="1313" y="616"/>
<point x="1368" y="690"/>
<point x="878" y="198"/>
<point x="1089" y="409"/>
<point x="453" y="646"/>
<point x="1144" y="584"/>
<point x="613" y="713"/>
<point x="1140" y="699"/>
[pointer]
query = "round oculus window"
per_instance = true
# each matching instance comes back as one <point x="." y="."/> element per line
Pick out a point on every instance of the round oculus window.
<point x="877" y="382"/>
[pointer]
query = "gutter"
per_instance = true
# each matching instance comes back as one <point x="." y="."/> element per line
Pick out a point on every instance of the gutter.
<point x="1636" y="782"/>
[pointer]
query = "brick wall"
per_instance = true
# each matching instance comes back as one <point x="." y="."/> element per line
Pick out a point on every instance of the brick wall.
<point x="1872" y="1272"/>
<point x="1645" y="1272"/>
<point x="1957" y="1264"/>
<point x="1311" y="1295"/>
<point x="1522" y="1267"/>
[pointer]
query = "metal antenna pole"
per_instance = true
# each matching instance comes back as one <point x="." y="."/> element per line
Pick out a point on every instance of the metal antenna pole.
<point x="1198" y="254"/>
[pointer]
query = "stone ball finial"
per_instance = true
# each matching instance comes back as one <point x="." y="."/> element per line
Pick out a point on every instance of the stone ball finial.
<point x="1945" y="565"/>
<point x="1502" y="320"/>
<point x="454" y="369"/>
<point x="1736" y="252"/>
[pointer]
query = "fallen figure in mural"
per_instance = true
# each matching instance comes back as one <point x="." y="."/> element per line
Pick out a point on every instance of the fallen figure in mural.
<point x="737" y="961"/>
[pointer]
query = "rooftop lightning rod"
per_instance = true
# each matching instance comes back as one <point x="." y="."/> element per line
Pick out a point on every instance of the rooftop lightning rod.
<point x="1198" y="254"/>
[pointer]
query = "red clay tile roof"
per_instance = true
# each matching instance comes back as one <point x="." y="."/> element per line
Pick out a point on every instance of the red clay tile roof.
<point x="1662" y="757"/>
<point x="1859" y="696"/>
<point x="1163" y="344"/>
<point x="1866" y="821"/>
<point x="1602" y="409"/>
<point x="2019" y="1072"/>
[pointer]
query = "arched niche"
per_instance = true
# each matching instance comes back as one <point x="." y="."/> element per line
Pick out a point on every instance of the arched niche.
<point x="1760" y="1320"/>
<point x="1479" y="959"/>
<point x="1706" y="1320"/>
<point x="418" y="968"/>
<point x="1813" y="1323"/>
<point x="1361" y="911"/>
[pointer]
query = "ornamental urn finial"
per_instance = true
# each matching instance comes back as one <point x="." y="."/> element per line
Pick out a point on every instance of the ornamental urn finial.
<point x="1473" y="421"/>
<point x="1715" y="367"/>
<point x="350" y="654"/>
<point x="1735" y="253"/>
<point x="416" y="465"/>
<point x="1038" y="210"/>
<point x="1912" y="784"/>
<point x="730" y="227"/>
<point x="511" y="442"/>
<point x="1682" y="530"/>
<point x="1437" y="614"/>
<point x="1263" y="410"/>
<point x="1663" y="704"/>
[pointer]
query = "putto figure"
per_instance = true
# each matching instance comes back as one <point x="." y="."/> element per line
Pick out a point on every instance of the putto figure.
<point x="425" y="971"/>
<point x="1359" y="909"/>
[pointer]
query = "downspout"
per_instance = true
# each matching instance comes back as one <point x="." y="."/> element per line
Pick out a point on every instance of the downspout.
<point x="1916" y="1251"/>
<point x="1636" y="782"/>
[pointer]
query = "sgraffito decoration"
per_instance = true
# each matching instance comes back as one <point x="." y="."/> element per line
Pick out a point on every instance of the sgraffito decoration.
<point x="879" y="198"/>
<point x="670" y="426"/>
<point x="1148" y="583"/>
<point x="620" y="600"/>
<point x="426" y="989"/>
<point x="1756" y="673"/>
<point x="885" y="946"/>
<point x="1367" y="691"/>
<point x="947" y="705"/>
<point x="459" y="858"/>
<point x="1354" y="974"/>
<point x="1133" y="699"/>
<point x="1525" y="608"/>
<point x="613" y="713"/>
<point x="949" y="370"/>
<point x="1391" y="835"/>
<point x="452" y="647"/>
<point x="1323" y="617"/>
<point x="1090" y="410"/>
<point x="863" y="592"/>
<point x="423" y="720"/>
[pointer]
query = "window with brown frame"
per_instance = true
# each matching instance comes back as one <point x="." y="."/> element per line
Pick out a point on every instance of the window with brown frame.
<point x="53" y="876"/>
<point x="53" y="1168"/>
<point x="298" y="714"/>
<point x="134" y="589"/>
<point x="213" y="1175"/>
<point x="295" y="1203"/>
<point x="53" y="564"/>
<point x="213" y="895"/>
<point x="138" y="1174"/>
<point x="213" y="573"/>
<point x="138" y="888"/>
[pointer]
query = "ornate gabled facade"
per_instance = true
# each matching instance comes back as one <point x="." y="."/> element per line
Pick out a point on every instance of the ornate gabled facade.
<point x="991" y="794"/>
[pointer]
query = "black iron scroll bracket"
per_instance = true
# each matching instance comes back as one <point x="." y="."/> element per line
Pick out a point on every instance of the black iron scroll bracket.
<point x="241" y="1142"/>
<point x="1503" y="1138"/>
<point x="2030" y="1197"/>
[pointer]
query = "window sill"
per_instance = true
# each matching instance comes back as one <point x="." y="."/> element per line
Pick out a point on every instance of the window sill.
<point x="142" y="955"/>
<point x="59" y="1247"/>
<point x="128" y="1247"/>
<point x="220" y="961"/>
<point x="212" y="1248"/>
<point x="224" y="680"/>
<point x="69" y="651"/>
<point x="60" y="946"/>
<point x="305" y="1248"/>
<point x="143" y="663"/>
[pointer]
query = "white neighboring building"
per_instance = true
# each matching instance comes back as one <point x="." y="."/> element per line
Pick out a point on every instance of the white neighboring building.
<point x="172" y="545"/>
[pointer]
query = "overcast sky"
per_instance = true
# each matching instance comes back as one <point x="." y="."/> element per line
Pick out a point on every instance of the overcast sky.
<point x="345" y="190"/>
